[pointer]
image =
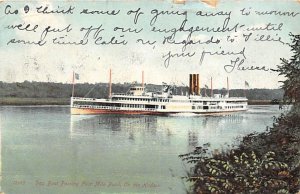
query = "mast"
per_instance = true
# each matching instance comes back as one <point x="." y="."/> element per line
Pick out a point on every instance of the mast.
<point x="245" y="87"/>
<point x="142" y="78"/>
<point x="199" y="89"/>
<point x="227" y="87"/>
<point x="109" y="95"/>
<point x="245" y="90"/>
<point x="211" y="88"/>
<point x="73" y="83"/>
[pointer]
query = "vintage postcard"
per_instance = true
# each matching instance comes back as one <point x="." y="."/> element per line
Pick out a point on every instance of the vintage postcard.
<point x="160" y="96"/>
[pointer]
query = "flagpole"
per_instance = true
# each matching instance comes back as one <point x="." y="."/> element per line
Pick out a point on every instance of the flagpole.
<point x="142" y="78"/>
<point x="199" y="88"/>
<point x="109" y="83"/>
<point x="73" y="82"/>
<point x="227" y="86"/>
<point x="211" y="88"/>
<point x="245" y="90"/>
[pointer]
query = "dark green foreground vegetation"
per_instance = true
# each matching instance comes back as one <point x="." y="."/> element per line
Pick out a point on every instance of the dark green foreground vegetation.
<point x="267" y="162"/>
<point x="263" y="163"/>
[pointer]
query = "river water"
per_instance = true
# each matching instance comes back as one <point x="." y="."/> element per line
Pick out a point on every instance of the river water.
<point x="46" y="150"/>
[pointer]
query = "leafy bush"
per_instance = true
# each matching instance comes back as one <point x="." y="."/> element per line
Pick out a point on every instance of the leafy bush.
<point x="263" y="163"/>
<point x="267" y="162"/>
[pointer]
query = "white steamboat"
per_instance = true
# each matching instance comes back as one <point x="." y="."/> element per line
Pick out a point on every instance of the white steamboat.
<point x="138" y="101"/>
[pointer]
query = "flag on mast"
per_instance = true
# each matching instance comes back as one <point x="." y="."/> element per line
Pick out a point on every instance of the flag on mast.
<point x="76" y="75"/>
<point x="246" y="87"/>
<point x="247" y="84"/>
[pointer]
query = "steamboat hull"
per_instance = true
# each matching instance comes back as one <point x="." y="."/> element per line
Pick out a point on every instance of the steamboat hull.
<point x="92" y="111"/>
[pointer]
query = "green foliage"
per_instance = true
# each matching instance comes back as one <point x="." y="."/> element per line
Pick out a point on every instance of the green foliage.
<point x="267" y="162"/>
<point x="238" y="172"/>
<point x="262" y="163"/>
<point x="290" y="69"/>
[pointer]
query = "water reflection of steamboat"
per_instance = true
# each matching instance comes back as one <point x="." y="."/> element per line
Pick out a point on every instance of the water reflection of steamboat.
<point x="156" y="128"/>
<point x="139" y="101"/>
<point x="213" y="126"/>
<point x="93" y="124"/>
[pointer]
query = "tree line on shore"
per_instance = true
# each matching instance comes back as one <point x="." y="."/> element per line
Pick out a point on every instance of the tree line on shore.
<point x="34" y="89"/>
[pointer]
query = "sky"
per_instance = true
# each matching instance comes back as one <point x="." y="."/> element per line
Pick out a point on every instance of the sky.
<point x="55" y="63"/>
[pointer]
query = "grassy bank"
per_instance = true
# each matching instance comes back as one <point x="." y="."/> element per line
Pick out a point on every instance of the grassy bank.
<point x="34" y="101"/>
<point x="66" y="101"/>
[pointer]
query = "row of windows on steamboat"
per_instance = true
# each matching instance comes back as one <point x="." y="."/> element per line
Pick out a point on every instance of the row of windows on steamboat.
<point x="216" y="102"/>
<point x="230" y="107"/>
<point x="168" y="100"/>
<point x="140" y="99"/>
<point x="215" y="107"/>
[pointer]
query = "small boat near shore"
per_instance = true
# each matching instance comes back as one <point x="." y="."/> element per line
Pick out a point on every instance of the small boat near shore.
<point x="138" y="101"/>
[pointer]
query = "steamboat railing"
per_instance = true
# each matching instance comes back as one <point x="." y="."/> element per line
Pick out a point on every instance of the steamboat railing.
<point x="112" y="107"/>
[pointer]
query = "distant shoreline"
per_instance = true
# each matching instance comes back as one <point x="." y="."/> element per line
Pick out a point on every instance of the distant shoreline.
<point x="13" y="101"/>
<point x="7" y="101"/>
